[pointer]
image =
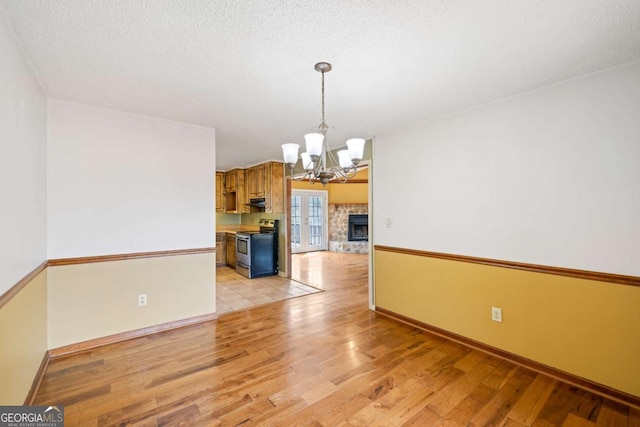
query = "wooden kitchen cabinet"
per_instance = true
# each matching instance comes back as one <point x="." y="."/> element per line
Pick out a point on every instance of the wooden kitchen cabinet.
<point x="231" y="180"/>
<point x="231" y="250"/>
<point x="234" y="196"/>
<point x="256" y="182"/>
<point x="220" y="192"/>
<point x="221" y="255"/>
<point x="274" y="187"/>
<point x="266" y="181"/>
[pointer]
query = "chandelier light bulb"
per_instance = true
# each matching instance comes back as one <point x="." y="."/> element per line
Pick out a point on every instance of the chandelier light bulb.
<point x="344" y="159"/>
<point x="314" y="145"/>
<point x="290" y="154"/>
<point x="356" y="149"/>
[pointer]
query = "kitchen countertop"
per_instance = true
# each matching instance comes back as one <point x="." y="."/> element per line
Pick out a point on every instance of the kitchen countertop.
<point x="233" y="229"/>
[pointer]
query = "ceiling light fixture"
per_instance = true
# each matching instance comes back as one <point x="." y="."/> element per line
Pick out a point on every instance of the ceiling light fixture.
<point x="314" y="160"/>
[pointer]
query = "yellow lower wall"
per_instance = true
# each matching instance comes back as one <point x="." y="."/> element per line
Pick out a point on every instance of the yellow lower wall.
<point x="586" y="328"/>
<point x="23" y="340"/>
<point x="88" y="301"/>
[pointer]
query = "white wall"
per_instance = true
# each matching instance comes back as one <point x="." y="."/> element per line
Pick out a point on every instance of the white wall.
<point x="23" y="112"/>
<point x="548" y="177"/>
<point x="124" y="183"/>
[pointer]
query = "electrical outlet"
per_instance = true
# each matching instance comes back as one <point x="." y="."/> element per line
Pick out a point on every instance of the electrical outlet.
<point x="496" y="314"/>
<point x="142" y="300"/>
<point x="388" y="222"/>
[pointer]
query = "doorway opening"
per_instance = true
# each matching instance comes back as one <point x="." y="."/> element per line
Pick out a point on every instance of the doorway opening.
<point x="309" y="221"/>
<point x="313" y="261"/>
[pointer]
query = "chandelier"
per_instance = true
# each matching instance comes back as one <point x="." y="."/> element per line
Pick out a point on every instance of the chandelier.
<point x="319" y="162"/>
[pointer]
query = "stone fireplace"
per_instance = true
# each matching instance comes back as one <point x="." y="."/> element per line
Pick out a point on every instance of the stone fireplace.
<point x="339" y="215"/>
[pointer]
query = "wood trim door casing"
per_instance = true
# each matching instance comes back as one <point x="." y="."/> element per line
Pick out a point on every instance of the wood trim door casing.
<point x="536" y="268"/>
<point x="287" y="225"/>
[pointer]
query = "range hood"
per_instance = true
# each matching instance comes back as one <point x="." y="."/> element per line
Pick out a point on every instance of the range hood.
<point x="257" y="203"/>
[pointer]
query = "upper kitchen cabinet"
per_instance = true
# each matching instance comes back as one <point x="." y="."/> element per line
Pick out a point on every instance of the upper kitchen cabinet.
<point x="219" y="192"/>
<point x="266" y="181"/>
<point x="256" y="181"/>
<point x="231" y="179"/>
<point x="234" y="191"/>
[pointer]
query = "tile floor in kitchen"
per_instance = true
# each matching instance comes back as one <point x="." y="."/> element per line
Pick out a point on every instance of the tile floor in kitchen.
<point x="236" y="292"/>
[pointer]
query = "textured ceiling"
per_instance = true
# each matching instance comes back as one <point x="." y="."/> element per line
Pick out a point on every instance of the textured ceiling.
<point x="245" y="67"/>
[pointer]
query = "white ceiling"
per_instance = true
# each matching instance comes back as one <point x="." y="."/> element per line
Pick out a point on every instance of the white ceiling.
<point x="245" y="67"/>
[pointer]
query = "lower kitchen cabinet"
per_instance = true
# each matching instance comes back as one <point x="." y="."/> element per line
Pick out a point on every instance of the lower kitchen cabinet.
<point x="221" y="255"/>
<point x="231" y="250"/>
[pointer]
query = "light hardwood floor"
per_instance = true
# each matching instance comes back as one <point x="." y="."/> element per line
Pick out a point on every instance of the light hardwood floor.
<point x="319" y="360"/>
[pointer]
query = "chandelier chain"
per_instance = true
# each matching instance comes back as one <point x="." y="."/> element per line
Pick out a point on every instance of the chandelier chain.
<point x="323" y="126"/>
<point x="321" y="164"/>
